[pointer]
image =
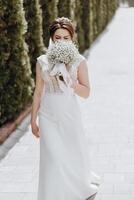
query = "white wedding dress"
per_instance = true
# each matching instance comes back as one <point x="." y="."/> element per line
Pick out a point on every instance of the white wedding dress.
<point x="64" y="170"/>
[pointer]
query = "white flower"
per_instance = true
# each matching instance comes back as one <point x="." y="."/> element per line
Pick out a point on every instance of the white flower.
<point x="62" y="52"/>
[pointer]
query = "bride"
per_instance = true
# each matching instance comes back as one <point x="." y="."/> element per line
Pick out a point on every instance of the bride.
<point x="64" y="168"/>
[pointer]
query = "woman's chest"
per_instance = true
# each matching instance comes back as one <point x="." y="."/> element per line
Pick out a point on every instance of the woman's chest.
<point x="71" y="71"/>
<point x="52" y="83"/>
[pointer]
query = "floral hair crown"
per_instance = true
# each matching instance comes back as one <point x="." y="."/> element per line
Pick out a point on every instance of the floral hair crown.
<point x="64" y="19"/>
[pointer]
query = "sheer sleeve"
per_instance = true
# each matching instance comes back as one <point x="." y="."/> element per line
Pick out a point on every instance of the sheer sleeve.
<point x="74" y="68"/>
<point x="43" y="62"/>
<point x="81" y="58"/>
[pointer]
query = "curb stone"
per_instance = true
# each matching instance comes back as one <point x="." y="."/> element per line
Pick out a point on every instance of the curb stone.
<point x="15" y="136"/>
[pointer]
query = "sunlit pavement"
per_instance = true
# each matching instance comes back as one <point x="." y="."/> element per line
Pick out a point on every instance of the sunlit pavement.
<point x="108" y="114"/>
<point x="108" y="118"/>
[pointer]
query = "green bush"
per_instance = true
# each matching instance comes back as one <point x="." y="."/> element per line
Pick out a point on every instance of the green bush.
<point x="130" y="2"/>
<point x="79" y="27"/>
<point x="34" y="35"/>
<point x="15" y="75"/>
<point x="64" y="8"/>
<point x="101" y="12"/>
<point x="85" y="16"/>
<point x="49" y="13"/>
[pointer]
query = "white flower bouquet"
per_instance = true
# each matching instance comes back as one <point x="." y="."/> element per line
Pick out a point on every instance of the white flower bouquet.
<point x="59" y="54"/>
<point x="62" y="52"/>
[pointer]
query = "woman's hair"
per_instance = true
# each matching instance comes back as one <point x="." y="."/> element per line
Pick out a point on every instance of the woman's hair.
<point x="62" y="22"/>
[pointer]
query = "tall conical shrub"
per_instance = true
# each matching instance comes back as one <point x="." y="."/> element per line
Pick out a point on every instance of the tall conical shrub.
<point x="85" y="21"/>
<point x="101" y="12"/>
<point x="16" y="85"/>
<point x="64" y="8"/>
<point x="49" y="13"/>
<point x="34" y="35"/>
<point x="79" y="27"/>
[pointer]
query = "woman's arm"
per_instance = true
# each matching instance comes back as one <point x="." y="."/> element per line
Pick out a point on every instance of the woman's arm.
<point x="82" y="88"/>
<point x="37" y="93"/>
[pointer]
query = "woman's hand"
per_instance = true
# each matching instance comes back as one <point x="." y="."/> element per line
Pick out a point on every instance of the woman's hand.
<point x="35" y="129"/>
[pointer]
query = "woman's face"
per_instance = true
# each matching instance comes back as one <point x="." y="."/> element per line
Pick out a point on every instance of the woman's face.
<point x="61" y="34"/>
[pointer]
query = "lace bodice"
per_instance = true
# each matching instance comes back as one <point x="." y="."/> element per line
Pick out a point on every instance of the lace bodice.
<point x="51" y="83"/>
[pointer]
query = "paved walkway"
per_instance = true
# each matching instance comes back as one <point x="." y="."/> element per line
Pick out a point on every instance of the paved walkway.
<point x="108" y="119"/>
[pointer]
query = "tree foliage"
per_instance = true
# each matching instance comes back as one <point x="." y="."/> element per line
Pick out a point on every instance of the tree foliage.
<point x="15" y="74"/>
<point x="34" y="34"/>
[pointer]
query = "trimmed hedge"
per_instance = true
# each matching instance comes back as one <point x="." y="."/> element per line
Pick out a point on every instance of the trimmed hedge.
<point x="79" y="28"/>
<point x="64" y="8"/>
<point x="15" y="74"/>
<point x="34" y="34"/>
<point x="49" y="13"/>
<point x="130" y="2"/>
<point x="102" y="13"/>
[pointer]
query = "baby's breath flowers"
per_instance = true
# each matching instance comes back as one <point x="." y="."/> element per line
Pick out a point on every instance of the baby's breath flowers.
<point x="63" y="52"/>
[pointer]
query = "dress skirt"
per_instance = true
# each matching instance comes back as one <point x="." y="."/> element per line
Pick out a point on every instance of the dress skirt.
<point x="64" y="166"/>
